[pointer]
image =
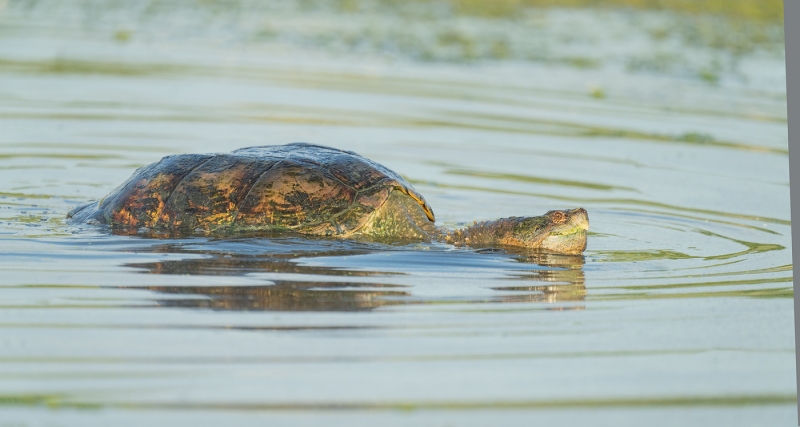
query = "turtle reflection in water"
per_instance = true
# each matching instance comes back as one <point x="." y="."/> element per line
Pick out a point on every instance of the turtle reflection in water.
<point x="564" y="282"/>
<point x="306" y="189"/>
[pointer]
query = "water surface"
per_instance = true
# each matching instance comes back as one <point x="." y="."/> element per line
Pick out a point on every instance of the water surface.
<point x="680" y="312"/>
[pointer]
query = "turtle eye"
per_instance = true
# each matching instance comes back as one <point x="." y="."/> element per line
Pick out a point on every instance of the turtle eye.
<point x="558" y="216"/>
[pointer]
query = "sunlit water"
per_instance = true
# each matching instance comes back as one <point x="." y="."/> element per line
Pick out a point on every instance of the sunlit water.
<point x="679" y="313"/>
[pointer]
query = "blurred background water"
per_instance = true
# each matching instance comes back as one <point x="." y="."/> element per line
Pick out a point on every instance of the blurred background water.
<point x="665" y="119"/>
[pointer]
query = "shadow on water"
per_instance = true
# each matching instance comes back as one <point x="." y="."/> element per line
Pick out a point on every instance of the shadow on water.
<point x="558" y="278"/>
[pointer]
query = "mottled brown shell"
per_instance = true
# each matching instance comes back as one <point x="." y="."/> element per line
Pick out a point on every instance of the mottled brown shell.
<point x="307" y="188"/>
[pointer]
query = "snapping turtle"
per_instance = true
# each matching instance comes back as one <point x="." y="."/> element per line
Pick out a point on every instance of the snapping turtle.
<point x="307" y="189"/>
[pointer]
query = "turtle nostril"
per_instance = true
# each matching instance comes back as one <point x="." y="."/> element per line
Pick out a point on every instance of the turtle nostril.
<point x="580" y="212"/>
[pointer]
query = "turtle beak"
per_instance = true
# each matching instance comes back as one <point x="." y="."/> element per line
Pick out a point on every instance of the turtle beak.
<point x="580" y="218"/>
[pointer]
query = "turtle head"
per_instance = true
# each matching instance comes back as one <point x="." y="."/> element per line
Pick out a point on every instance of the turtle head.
<point x="561" y="231"/>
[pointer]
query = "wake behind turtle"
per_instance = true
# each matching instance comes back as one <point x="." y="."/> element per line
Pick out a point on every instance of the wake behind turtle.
<point x="307" y="189"/>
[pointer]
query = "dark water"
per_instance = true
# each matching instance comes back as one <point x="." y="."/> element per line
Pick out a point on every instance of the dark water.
<point x="680" y="312"/>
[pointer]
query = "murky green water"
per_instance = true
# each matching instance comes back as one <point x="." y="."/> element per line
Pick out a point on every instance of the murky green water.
<point x="680" y="312"/>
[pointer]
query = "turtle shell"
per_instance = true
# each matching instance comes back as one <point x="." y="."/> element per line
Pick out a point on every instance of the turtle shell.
<point x="307" y="188"/>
